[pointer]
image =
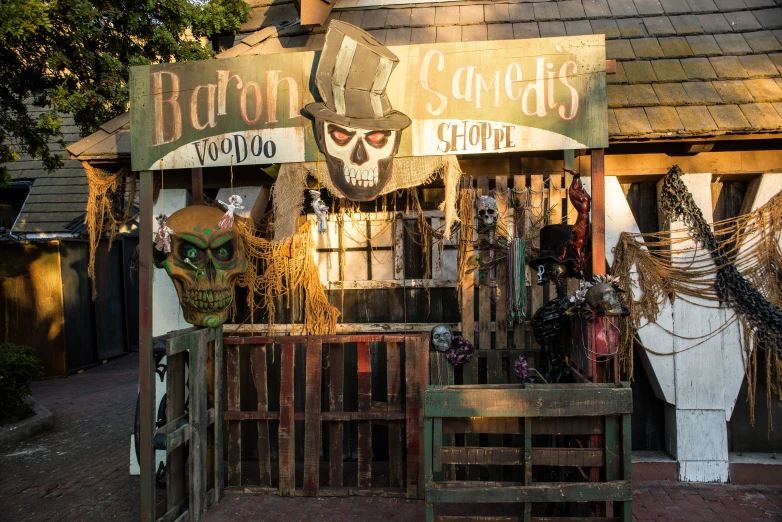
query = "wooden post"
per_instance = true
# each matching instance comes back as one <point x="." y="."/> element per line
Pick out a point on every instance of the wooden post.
<point x="146" y="360"/>
<point x="219" y="387"/>
<point x="197" y="183"/>
<point x="287" y="453"/>
<point x="314" y="368"/>
<point x="598" y="213"/>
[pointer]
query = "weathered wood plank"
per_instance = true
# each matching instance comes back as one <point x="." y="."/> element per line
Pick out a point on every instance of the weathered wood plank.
<point x="394" y="391"/>
<point x="364" y="360"/>
<point x="198" y="428"/>
<point x="501" y="316"/>
<point x="494" y="376"/>
<point x="429" y="451"/>
<point x="326" y="416"/>
<point x="521" y="225"/>
<point x="466" y="289"/>
<point x="612" y="448"/>
<point x="217" y="405"/>
<point x="258" y="368"/>
<point x="627" y="447"/>
<point x="287" y="453"/>
<point x="233" y="385"/>
<point x="530" y="402"/>
<point x="479" y="492"/>
<point x="441" y="372"/>
<point x="437" y="445"/>
<point x="175" y="409"/>
<point x="312" y="417"/>
<point x="359" y="338"/>
<point x="485" y="289"/>
<point x="536" y="202"/>
<point x="486" y="456"/>
<point x="527" y="455"/>
<point x="336" y="401"/>
<point x="477" y="518"/>
<point x="417" y="376"/>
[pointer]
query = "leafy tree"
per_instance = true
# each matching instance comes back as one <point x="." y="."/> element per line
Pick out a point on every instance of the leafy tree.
<point x="74" y="56"/>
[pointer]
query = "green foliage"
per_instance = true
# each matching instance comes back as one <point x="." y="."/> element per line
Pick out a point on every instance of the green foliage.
<point x="74" y="56"/>
<point x="18" y="368"/>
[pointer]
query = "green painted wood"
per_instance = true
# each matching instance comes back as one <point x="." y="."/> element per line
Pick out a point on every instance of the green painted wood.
<point x="219" y="392"/>
<point x="175" y="452"/>
<point x="478" y="492"/>
<point x="627" y="447"/>
<point x="429" y="513"/>
<point x="193" y="109"/>
<point x="531" y="401"/>
<point x="494" y="376"/>
<point x="442" y="373"/>
<point x="527" y="451"/>
<point x="612" y="455"/>
<point x="436" y="461"/>
<point x="186" y="341"/>
<point x="233" y="384"/>
<point x="429" y="450"/>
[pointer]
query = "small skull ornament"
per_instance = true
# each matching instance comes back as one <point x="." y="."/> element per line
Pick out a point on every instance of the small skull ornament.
<point x="204" y="262"/>
<point x="603" y="297"/>
<point x="441" y="338"/>
<point x="487" y="210"/>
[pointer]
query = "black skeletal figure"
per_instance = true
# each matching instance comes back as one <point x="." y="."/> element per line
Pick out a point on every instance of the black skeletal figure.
<point x="547" y="325"/>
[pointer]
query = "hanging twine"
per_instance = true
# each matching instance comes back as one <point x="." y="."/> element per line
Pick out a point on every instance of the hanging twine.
<point x="105" y="189"/>
<point x="732" y="263"/>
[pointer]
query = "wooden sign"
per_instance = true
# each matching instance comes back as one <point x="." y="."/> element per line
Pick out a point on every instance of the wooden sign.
<point x="462" y="98"/>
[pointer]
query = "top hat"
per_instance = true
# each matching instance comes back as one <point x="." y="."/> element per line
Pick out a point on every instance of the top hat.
<point x="553" y="239"/>
<point x="352" y="75"/>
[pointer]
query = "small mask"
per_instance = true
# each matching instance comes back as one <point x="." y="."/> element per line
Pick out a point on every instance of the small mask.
<point x="441" y="337"/>
<point x="204" y="262"/>
<point x="487" y="210"/>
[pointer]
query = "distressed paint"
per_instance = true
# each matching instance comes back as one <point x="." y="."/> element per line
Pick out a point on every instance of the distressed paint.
<point x="465" y="97"/>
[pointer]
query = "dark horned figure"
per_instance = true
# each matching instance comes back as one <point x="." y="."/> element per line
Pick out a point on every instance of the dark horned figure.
<point x="582" y="202"/>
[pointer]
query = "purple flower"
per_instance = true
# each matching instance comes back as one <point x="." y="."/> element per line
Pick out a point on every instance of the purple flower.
<point x="521" y="367"/>
<point x="460" y="352"/>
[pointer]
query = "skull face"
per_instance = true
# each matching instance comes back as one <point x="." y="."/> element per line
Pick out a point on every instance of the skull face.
<point x="360" y="161"/>
<point x="487" y="210"/>
<point x="204" y="262"/>
<point x="603" y="298"/>
<point x="441" y="337"/>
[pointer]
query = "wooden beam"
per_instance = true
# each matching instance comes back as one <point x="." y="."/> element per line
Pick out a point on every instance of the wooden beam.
<point x="598" y="231"/>
<point x="146" y="360"/>
<point x="197" y="183"/>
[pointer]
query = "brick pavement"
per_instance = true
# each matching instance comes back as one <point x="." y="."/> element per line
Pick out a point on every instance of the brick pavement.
<point x="79" y="472"/>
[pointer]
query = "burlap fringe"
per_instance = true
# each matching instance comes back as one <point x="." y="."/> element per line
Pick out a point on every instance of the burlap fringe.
<point x="105" y="191"/>
<point x="280" y="269"/>
<point x="751" y="242"/>
<point x="288" y="190"/>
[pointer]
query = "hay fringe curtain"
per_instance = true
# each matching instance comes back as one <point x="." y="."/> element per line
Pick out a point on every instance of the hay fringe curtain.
<point x="281" y="269"/>
<point x="105" y="189"/>
<point x="750" y="242"/>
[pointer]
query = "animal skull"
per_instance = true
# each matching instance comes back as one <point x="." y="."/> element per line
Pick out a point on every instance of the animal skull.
<point x="204" y="262"/>
<point x="441" y="338"/>
<point x="487" y="210"/>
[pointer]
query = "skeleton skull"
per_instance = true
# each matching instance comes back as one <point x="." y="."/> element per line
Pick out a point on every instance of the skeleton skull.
<point x="603" y="297"/>
<point x="360" y="161"/>
<point x="204" y="262"/>
<point x="441" y="337"/>
<point x="487" y="210"/>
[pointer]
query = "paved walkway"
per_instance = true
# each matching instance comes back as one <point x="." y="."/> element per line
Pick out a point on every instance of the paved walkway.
<point x="79" y="472"/>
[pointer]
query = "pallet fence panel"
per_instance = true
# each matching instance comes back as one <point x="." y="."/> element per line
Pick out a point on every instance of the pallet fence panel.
<point x="441" y="372"/>
<point x="501" y="317"/>
<point x="312" y="417"/>
<point x="394" y="393"/>
<point x="536" y="202"/>
<point x="258" y="370"/>
<point x="287" y="451"/>
<point x="336" y="398"/>
<point x="233" y="392"/>
<point x="417" y="376"/>
<point x="198" y="429"/>
<point x="219" y="387"/>
<point x="175" y="408"/>
<point x="364" y="405"/>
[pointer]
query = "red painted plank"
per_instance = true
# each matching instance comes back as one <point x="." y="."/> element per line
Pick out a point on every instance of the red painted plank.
<point x="312" y="417"/>
<point x="233" y="392"/>
<point x="286" y="435"/>
<point x="258" y="366"/>
<point x="364" y="404"/>
<point x="336" y="383"/>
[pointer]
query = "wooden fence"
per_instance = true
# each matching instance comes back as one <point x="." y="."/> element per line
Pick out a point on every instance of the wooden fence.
<point x="323" y="469"/>
<point x="553" y="424"/>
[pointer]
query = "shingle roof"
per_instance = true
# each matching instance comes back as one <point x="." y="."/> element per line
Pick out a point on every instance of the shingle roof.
<point x="56" y="198"/>
<point x="719" y="61"/>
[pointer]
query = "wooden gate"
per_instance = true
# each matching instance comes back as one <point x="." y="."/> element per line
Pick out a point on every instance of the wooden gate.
<point x="407" y="363"/>
<point x="194" y="463"/>
<point x="551" y="420"/>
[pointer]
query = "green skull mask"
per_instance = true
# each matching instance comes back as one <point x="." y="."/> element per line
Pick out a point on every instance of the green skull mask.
<point x="203" y="264"/>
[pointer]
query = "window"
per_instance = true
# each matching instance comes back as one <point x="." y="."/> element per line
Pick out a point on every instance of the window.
<point x="12" y="199"/>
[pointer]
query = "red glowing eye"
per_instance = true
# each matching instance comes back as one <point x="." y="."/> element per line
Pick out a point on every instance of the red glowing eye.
<point x="376" y="137"/>
<point x="340" y="136"/>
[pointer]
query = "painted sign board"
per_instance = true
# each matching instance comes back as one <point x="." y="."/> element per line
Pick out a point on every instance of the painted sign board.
<point x="462" y="98"/>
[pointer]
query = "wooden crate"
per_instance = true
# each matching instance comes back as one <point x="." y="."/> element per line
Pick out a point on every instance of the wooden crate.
<point x="542" y="417"/>
<point x="407" y="370"/>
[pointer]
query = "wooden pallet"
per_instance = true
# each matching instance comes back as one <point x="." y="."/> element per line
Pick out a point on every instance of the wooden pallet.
<point x="402" y="413"/>
<point x="534" y="413"/>
<point x="194" y="472"/>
